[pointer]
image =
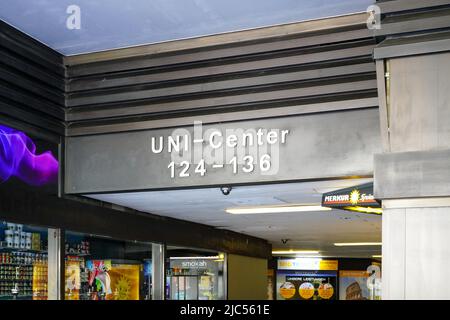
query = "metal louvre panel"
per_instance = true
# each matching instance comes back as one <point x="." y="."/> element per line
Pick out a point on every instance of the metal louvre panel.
<point x="221" y="67"/>
<point x="32" y="83"/>
<point x="413" y="27"/>
<point x="329" y="65"/>
<point x="31" y="49"/>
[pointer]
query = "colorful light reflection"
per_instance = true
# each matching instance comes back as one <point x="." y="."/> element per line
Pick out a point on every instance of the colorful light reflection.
<point x="18" y="158"/>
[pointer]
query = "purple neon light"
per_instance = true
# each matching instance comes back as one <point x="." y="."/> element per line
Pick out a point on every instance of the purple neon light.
<point x="18" y="158"/>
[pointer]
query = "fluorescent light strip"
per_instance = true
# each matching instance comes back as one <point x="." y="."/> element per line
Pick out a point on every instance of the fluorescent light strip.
<point x="283" y="252"/>
<point x="355" y="244"/>
<point x="195" y="258"/>
<point x="377" y="256"/>
<point x="276" y="209"/>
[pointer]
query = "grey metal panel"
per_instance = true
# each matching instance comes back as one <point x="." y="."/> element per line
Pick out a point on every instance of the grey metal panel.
<point x="238" y="99"/>
<point x="408" y="23"/>
<point x="217" y="42"/>
<point x="217" y="81"/>
<point x="402" y="5"/>
<point x="80" y="129"/>
<point x="392" y="48"/>
<point x="123" y="161"/>
<point x="28" y="115"/>
<point x="239" y="66"/>
<point x="31" y="85"/>
<point x="419" y="110"/>
<point x="213" y="53"/>
<point x="35" y="87"/>
<point x="382" y="98"/>
<point x="30" y="49"/>
<point x="414" y="23"/>
<point x="412" y="174"/>
<point x="30" y="100"/>
<point x="31" y="70"/>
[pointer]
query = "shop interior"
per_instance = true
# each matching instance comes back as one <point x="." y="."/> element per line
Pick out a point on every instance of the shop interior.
<point x="300" y="229"/>
<point x="316" y="248"/>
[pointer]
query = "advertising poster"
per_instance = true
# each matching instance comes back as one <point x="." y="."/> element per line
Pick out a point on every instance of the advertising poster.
<point x="124" y="282"/>
<point x="73" y="281"/>
<point x="306" y="285"/>
<point x="353" y="285"/>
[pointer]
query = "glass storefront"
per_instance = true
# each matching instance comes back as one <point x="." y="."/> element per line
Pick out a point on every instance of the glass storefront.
<point x="23" y="262"/>
<point x="195" y="276"/>
<point x="99" y="268"/>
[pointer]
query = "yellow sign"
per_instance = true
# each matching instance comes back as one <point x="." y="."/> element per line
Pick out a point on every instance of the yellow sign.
<point x="287" y="290"/>
<point x="306" y="290"/>
<point x="326" y="291"/>
<point x="308" y="264"/>
<point x="328" y="265"/>
<point x="124" y="282"/>
<point x="353" y="274"/>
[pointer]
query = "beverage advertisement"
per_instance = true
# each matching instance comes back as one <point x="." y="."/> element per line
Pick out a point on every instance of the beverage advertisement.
<point x="124" y="282"/>
<point x="306" y="285"/>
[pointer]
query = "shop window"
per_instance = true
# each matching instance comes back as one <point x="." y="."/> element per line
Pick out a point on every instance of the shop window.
<point x="23" y="262"/>
<point x="98" y="268"/>
<point x="193" y="275"/>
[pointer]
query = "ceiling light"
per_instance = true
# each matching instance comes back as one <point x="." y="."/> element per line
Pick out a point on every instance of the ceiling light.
<point x="370" y="210"/>
<point x="377" y="256"/>
<point x="354" y="244"/>
<point x="283" y="252"/>
<point x="195" y="258"/>
<point x="276" y="209"/>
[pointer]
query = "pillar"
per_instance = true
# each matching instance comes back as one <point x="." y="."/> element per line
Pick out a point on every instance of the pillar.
<point x="412" y="175"/>
<point x="56" y="267"/>
<point x="158" y="272"/>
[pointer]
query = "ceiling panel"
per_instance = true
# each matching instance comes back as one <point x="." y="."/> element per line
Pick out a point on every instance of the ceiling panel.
<point x="109" y="24"/>
<point x="306" y="230"/>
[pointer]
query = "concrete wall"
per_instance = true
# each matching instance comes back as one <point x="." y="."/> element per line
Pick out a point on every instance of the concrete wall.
<point x="416" y="251"/>
<point x="412" y="177"/>
<point x="247" y="278"/>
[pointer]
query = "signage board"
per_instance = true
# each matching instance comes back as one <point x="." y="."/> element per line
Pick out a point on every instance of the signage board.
<point x="324" y="145"/>
<point x="307" y="264"/>
<point x="359" y="198"/>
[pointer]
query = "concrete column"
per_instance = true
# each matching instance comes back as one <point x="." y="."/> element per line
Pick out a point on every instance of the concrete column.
<point x="247" y="278"/>
<point x="158" y="272"/>
<point x="416" y="250"/>
<point x="56" y="266"/>
<point x="412" y="176"/>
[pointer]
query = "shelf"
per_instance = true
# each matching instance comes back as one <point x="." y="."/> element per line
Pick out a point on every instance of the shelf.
<point x="15" y="280"/>
<point x="77" y="254"/>
<point x="8" y="249"/>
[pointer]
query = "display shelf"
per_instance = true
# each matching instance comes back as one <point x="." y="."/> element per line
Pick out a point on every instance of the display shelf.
<point x="22" y="250"/>
<point x="11" y="297"/>
<point x="15" y="280"/>
<point x="77" y="254"/>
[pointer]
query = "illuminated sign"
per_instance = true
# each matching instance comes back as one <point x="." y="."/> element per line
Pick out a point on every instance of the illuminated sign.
<point x="307" y="264"/>
<point x="18" y="158"/>
<point x="358" y="199"/>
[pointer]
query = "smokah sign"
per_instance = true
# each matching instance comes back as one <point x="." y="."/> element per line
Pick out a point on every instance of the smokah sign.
<point x="241" y="151"/>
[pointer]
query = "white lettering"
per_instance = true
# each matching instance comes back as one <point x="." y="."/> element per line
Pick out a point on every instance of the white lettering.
<point x="211" y="139"/>
<point x="161" y="145"/>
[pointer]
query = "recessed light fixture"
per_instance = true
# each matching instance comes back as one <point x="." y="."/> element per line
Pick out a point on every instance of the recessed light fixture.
<point x="283" y="252"/>
<point x="196" y="258"/>
<point x="355" y="244"/>
<point x="276" y="209"/>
